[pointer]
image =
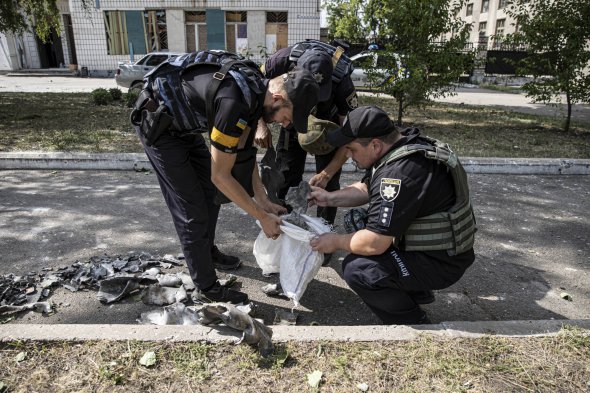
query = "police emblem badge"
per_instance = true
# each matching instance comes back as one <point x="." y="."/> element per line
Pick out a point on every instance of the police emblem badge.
<point x="390" y="188"/>
<point x="318" y="77"/>
<point x="352" y="101"/>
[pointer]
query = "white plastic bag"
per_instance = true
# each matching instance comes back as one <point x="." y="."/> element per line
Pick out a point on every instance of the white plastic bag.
<point x="291" y="255"/>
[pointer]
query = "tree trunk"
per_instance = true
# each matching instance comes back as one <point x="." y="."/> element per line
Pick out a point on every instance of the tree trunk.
<point x="569" y="111"/>
<point x="400" y="109"/>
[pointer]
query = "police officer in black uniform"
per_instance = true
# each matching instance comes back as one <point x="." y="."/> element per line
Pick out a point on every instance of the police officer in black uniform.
<point x="391" y="267"/>
<point x="336" y="99"/>
<point x="191" y="177"/>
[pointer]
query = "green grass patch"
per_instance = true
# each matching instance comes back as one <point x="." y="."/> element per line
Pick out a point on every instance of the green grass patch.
<point x="503" y="88"/>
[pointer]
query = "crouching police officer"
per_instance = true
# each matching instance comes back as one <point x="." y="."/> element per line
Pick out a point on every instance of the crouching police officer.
<point x="337" y="96"/>
<point x="195" y="180"/>
<point x="420" y="226"/>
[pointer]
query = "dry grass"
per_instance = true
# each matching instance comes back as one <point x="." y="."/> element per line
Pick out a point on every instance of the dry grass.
<point x="69" y="122"/>
<point x="559" y="363"/>
<point x="487" y="132"/>
<point x="64" y="122"/>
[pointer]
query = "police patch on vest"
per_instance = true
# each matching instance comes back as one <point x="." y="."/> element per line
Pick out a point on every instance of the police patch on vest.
<point x="352" y="101"/>
<point x="389" y="189"/>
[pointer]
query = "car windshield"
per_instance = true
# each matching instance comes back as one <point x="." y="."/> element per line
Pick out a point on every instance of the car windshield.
<point x="365" y="61"/>
<point x="142" y="60"/>
<point x="154" y="60"/>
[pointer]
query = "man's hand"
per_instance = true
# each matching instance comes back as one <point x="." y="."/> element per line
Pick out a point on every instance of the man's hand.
<point x="325" y="243"/>
<point x="270" y="225"/>
<point x="272" y="208"/>
<point x="318" y="196"/>
<point x="263" y="137"/>
<point x="320" y="179"/>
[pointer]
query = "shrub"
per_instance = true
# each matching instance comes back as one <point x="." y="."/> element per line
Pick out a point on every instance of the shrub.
<point x="131" y="97"/>
<point x="116" y="93"/>
<point x="101" y="96"/>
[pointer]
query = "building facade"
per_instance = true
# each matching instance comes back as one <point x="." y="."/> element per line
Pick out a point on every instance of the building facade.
<point x="109" y="31"/>
<point x="489" y="22"/>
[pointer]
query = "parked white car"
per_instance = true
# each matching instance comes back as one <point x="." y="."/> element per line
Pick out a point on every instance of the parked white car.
<point x="131" y="74"/>
<point x="374" y="60"/>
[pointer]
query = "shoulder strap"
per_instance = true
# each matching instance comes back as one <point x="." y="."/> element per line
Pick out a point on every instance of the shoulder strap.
<point x="401" y="152"/>
<point x="212" y="88"/>
<point x="340" y="62"/>
<point x="214" y="84"/>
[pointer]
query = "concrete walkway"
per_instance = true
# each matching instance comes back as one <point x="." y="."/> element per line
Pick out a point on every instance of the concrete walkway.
<point x="220" y="334"/>
<point x="138" y="161"/>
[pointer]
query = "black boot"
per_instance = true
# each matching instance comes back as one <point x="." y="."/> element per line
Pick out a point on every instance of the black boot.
<point x="224" y="262"/>
<point x="217" y="293"/>
<point x="422" y="297"/>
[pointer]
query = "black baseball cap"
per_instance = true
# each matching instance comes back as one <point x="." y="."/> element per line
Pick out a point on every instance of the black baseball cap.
<point x="319" y="63"/>
<point x="302" y="90"/>
<point x="362" y="122"/>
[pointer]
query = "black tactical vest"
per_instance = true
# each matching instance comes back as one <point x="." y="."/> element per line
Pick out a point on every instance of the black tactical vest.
<point x="452" y="230"/>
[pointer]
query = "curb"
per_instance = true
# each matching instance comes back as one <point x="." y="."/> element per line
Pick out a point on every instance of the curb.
<point x="180" y="333"/>
<point x="139" y="162"/>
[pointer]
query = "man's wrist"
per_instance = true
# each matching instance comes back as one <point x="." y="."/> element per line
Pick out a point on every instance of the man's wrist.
<point x="325" y="174"/>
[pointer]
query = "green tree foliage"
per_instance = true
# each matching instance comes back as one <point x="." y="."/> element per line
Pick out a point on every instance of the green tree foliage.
<point x="556" y="35"/>
<point x="420" y="63"/>
<point x="17" y="15"/>
<point x="344" y="19"/>
<point x="43" y="16"/>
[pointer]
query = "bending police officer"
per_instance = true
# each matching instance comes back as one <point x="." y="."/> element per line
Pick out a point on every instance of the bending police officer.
<point x="193" y="179"/>
<point x="337" y="96"/>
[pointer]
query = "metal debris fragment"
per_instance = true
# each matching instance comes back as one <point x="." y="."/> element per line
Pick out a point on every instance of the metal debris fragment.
<point x="169" y="280"/>
<point x="50" y="281"/>
<point x="42" y="307"/>
<point x="297" y="198"/>
<point x="228" y="281"/>
<point x="283" y="317"/>
<point x="187" y="282"/>
<point x="171" y="259"/>
<point x="255" y="332"/>
<point x="273" y="290"/>
<point x="163" y="296"/>
<point x="116" y="288"/>
<point x="175" y="314"/>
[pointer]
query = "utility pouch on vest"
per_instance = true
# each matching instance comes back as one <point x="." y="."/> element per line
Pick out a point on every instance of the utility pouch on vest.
<point x="242" y="172"/>
<point x="151" y="119"/>
<point x="153" y="124"/>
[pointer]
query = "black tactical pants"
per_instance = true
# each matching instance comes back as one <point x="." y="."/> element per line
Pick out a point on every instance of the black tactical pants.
<point x="291" y="162"/>
<point x="383" y="282"/>
<point x="183" y="167"/>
